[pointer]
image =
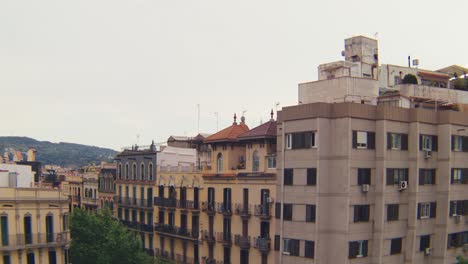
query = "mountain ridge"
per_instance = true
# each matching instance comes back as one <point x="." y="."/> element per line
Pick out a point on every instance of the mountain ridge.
<point x="64" y="154"/>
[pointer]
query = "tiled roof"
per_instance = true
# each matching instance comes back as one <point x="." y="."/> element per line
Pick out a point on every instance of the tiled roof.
<point x="266" y="130"/>
<point x="228" y="134"/>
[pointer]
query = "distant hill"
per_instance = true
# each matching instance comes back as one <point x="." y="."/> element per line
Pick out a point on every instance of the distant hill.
<point x="62" y="154"/>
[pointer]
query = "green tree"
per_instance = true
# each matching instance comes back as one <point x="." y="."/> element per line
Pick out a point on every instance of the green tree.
<point x="410" y="79"/>
<point x="99" y="239"/>
<point x="462" y="260"/>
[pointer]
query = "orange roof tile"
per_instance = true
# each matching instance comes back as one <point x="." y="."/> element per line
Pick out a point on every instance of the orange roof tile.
<point x="228" y="134"/>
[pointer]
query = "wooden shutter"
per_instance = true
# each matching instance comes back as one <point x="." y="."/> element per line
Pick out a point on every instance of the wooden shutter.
<point x="370" y="140"/>
<point x="404" y="141"/>
<point x="354" y="139"/>
<point x="433" y="210"/>
<point x="389" y="140"/>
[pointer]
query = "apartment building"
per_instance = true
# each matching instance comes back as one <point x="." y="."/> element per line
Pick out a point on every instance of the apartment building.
<point x="90" y="197"/>
<point x="106" y="188"/>
<point x="33" y="225"/>
<point x="177" y="206"/>
<point x="368" y="181"/>
<point x="236" y="224"/>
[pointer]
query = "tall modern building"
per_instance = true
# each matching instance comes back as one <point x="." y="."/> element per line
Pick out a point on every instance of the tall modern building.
<point x="373" y="174"/>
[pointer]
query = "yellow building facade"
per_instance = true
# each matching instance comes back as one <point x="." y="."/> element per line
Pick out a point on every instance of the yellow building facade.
<point x="34" y="226"/>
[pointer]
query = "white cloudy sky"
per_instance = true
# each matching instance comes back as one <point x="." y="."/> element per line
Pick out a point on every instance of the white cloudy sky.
<point x="102" y="72"/>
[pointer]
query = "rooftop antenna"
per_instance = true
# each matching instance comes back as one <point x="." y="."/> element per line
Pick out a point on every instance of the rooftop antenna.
<point x="276" y="106"/>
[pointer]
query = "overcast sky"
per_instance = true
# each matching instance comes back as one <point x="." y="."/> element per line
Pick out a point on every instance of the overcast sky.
<point x="103" y="72"/>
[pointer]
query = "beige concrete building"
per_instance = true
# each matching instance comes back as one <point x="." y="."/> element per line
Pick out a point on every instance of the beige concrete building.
<point x="33" y="226"/>
<point x="236" y="223"/>
<point x="107" y="188"/>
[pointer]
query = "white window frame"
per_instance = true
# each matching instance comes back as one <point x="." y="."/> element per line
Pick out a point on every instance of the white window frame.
<point x="286" y="250"/>
<point x="398" y="176"/>
<point x="457" y="175"/>
<point x="314" y="139"/>
<point x="270" y="161"/>
<point x="396" y="141"/>
<point x="425" y="210"/>
<point x="427" y="142"/>
<point x="288" y="141"/>
<point x="361" y="139"/>
<point x="458" y="144"/>
<point x="360" y="248"/>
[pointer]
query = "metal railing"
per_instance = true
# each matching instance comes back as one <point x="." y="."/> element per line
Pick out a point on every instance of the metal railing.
<point x="224" y="208"/>
<point x="242" y="241"/>
<point x="176" y="230"/>
<point x="209" y="207"/>
<point x="26" y="240"/>
<point x="262" y="210"/>
<point x="206" y="236"/>
<point x="243" y="209"/>
<point x="165" y="202"/>
<point x="225" y="238"/>
<point x="127" y="201"/>
<point x="262" y="243"/>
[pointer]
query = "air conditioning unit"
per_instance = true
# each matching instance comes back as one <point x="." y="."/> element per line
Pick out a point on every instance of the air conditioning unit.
<point x="458" y="219"/>
<point x="403" y="185"/>
<point x="365" y="187"/>
<point x="427" y="154"/>
<point x="427" y="251"/>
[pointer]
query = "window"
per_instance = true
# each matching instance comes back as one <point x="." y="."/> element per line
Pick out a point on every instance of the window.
<point x="457" y="239"/>
<point x="219" y="163"/>
<point x="6" y="259"/>
<point x="426" y="210"/>
<point x="364" y="176"/>
<point x="458" y="207"/>
<point x="120" y="172"/>
<point x="300" y="140"/>
<point x="395" y="246"/>
<point x="49" y="228"/>
<point x="52" y="257"/>
<point x="277" y="243"/>
<point x="395" y="176"/>
<point x="255" y="161"/>
<point x="291" y="247"/>
<point x="361" y="213"/>
<point x="459" y="176"/>
<point x="427" y="176"/>
<point x="4" y="222"/>
<point x="65" y="222"/>
<point x="310" y="213"/>
<point x="459" y="143"/>
<point x="363" y="140"/>
<point x="134" y="171"/>
<point x="288" y="176"/>
<point x="271" y="161"/>
<point x="312" y="176"/>
<point x="428" y="142"/>
<point x="287" y="212"/>
<point x="142" y="171"/>
<point x="397" y="141"/>
<point x="392" y="212"/>
<point x="30" y="259"/>
<point x="126" y="171"/>
<point x="309" y="249"/>
<point x="424" y="242"/>
<point x="358" y="249"/>
<point x="277" y="210"/>
<point x="150" y="170"/>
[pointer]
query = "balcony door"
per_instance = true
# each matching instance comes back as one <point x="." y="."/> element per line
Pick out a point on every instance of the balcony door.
<point x="27" y="230"/>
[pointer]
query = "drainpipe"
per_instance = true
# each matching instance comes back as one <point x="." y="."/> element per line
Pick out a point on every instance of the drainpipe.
<point x="282" y="194"/>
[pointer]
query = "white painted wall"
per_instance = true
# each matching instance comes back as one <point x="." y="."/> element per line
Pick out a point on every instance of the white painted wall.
<point x="172" y="156"/>
<point x="24" y="175"/>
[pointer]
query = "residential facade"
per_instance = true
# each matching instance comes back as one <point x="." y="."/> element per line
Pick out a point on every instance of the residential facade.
<point x="107" y="187"/>
<point x="236" y="223"/>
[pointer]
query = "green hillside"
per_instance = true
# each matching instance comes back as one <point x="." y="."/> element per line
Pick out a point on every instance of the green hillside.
<point x="63" y="154"/>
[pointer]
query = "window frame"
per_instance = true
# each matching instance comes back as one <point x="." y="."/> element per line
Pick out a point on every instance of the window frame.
<point x="393" y="212"/>
<point x="396" y="245"/>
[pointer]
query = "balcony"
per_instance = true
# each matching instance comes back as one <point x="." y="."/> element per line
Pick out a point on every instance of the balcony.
<point x="149" y="252"/>
<point x="243" y="210"/>
<point x="209" y="207"/>
<point x="90" y="201"/>
<point x="263" y="211"/>
<point x="176" y="231"/>
<point x="206" y="236"/>
<point x="225" y="238"/>
<point x="165" y="202"/>
<point x="187" y="204"/>
<point x="24" y="241"/>
<point x="224" y="208"/>
<point x="262" y="244"/>
<point x="242" y="241"/>
<point x="133" y="202"/>
<point x="213" y="261"/>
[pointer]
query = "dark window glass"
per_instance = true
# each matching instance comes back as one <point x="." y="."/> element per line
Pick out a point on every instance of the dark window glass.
<point x="288" y="176"/>
<point x="427" y="176"/>
<point x="395" y="246"/>
<point x="424" y="242"/>
<point x="358" y="249"/>
<point x="310" y="213"/>
<point x="277" y="242"/>
<point x="309" y="250"/>
<point x="302" y="140"/>
<point x="277" y="210"/>
<point x="52" y="257"/>
<point x="361" y="213"/>
<point x="364" y="176"/>
<point x="287" y="214"/>
<point x="311" y="176"/>
<point x="6" y="259"/>
<point x="392" y="212"/>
